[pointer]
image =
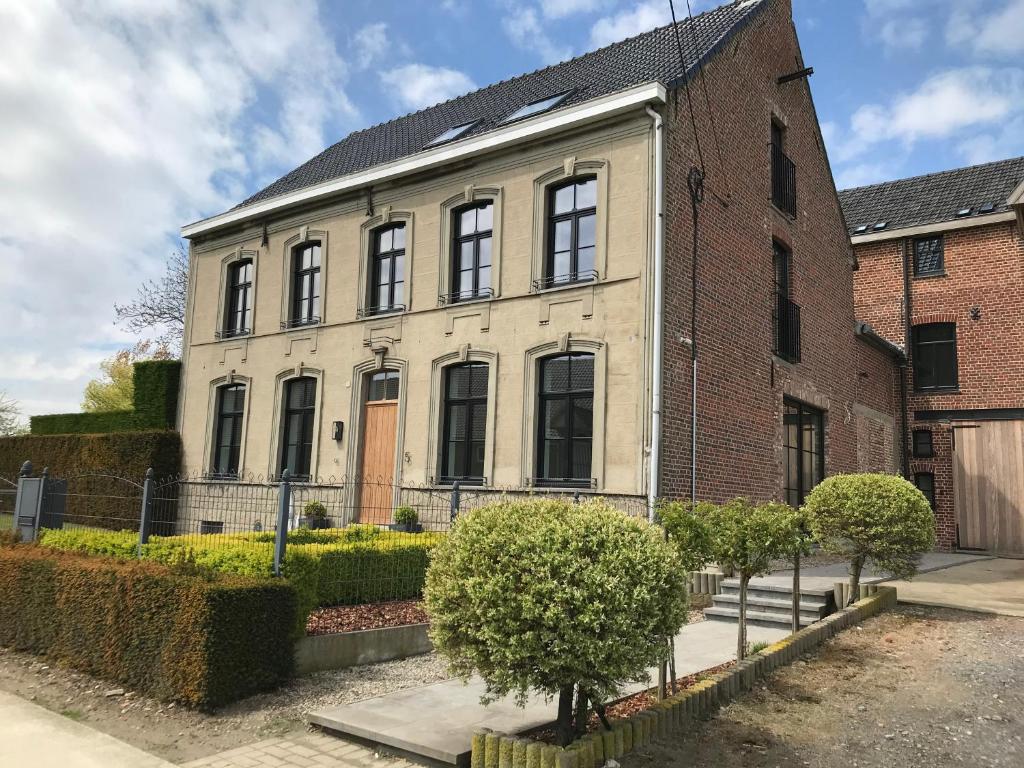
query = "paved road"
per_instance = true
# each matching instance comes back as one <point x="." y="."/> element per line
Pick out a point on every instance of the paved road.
<point x="988" y="586"/>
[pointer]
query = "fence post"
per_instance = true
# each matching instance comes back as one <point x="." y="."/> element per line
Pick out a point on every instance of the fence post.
<point x="455" y="501"/>
<point x="576" y="497"/>
<point x="19" y="498"/>
<point x="146" y="514"/>
<point x="40" y="502"/>
<point x="284" y="500"/>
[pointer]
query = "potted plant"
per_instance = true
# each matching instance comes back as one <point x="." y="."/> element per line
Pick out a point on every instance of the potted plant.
<point x="314" y="515"/>
<point x="407" y="520"/>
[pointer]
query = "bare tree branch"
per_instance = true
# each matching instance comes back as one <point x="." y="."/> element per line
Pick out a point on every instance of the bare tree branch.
<point x="160" y="304"/>
<point x="10" y="417"/>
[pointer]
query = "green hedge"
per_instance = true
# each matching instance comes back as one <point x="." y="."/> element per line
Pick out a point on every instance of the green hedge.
<point x="346" y="566"/>
<point x="155" y="405"/>
<point x="173" y="633"/>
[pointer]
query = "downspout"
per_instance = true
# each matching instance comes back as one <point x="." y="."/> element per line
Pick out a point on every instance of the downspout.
<point x="654" y="459"/>
<point x="907" y="331"/>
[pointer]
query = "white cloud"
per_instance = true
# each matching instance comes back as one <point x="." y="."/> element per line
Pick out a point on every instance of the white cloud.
<point x="419" y="85"/>
<point x="640" y="18"/>
<point x="904" y="34"/>
<point x="988" y="32"/>
<point x="121" y="122"/>
<point x="370" y="43"/>
<point x="526" y="31"/>
<point x="559" y="9"/>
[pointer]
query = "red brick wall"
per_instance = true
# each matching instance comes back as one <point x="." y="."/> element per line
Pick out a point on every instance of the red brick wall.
<point x="985" y="269"/>
<point x="741" y="385"/>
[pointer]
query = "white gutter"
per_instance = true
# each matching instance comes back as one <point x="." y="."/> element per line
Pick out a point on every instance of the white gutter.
<point x="654" y="458"/>
<point x="524" y="130"/>
<point x="926" y="229"/>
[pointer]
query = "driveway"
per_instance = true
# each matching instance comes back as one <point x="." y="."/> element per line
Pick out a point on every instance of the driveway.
<point x="987" y="586"/>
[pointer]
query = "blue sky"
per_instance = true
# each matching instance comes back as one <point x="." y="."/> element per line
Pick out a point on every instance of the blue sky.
<point x="124" y="119"/>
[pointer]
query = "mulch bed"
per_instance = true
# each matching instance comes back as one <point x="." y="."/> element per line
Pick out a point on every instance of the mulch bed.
<point x="351" y="618"/>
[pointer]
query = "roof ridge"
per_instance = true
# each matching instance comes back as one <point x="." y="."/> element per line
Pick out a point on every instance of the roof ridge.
<point x="933" y="174"/>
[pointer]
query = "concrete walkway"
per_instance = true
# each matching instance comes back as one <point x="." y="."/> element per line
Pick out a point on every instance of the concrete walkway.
<point x="36" y="737"/>
<point x="437" y="721"/>
<point x="986" y="586"/>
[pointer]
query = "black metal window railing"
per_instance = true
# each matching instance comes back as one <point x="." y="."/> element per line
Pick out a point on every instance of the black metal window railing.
<point x="385" y="309"/>
<point x="783" y="180"/>
<point x="468" y="295"/>
<point x="231" y="333"/>
<point x="786" y="322"/>
<point x="571" y="278"/>
<point x="299" y="322"/>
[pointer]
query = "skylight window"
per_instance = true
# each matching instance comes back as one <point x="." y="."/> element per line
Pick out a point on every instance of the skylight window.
<point x="451" y="134"/>
<point x="881" y="225"/>
<point x="861" y="229"/>
<point x="987" y="208"/>
<point x="536" y="107"/>
<point x="963" y="212"/>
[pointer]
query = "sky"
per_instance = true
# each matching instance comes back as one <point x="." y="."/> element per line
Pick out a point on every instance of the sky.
<point x="121" y="120"/>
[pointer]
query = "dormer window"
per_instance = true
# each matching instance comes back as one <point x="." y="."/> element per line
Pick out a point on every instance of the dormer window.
<point x="451" y="134"/>
<point x="536" y="107"/>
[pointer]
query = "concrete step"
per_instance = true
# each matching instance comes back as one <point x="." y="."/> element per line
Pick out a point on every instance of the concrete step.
<point x="770" y="605"/>
<point x="763" y="618"/>
<point x="767" y="591"/>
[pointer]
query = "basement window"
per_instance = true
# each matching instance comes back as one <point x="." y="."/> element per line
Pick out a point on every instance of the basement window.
<point x="925" y="482"/>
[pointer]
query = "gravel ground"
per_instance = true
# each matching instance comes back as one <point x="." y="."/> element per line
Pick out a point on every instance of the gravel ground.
<point x="912" y="688"/>
<point x="180" y="735"/>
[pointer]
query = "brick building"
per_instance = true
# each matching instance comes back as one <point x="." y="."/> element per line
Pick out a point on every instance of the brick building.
<point x="946" y="251"/>
<point x="405" y="305"/>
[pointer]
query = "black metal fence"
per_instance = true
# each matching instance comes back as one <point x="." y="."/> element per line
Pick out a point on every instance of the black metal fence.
<point x="786" y="320"/>
<point x="783" y="180"/>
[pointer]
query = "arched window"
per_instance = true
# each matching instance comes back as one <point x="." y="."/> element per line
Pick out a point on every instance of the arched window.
<point x="227" y="430"/>
<point x="465" y="422"/>
<point x="572" y="232"/>
<point x="297" y="438"/>
<point x="471" y="253"/>
<point x="305" y="285"/>
<point x="238" y="304"/>
<point x="387" y="273"/>
<point x="565" y="419"/>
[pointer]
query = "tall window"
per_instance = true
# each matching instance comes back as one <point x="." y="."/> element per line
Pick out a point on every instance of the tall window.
<point x="785" y="312"/>
<point x="925" y="482"/>
<point x="471" y="262"/>
<point x="923" y="447"/>
<point x="934" y="356"/>
<point x="465" y="422"/>
<point x="297" y="441"/>
<point x="572" y="233"/>
<point x="388" y="273"/>
<point x="565" y="419"/>
<point x="227" y="431"/>
<point x="238" y="308"/>
<point x="783" y="172"/>
<point x="929" y="258"/>
<point x="805" y="450"/>
<point x="306" y="285"/>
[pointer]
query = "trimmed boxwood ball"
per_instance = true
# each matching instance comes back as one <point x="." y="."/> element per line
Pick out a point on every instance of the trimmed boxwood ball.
<point x="879" y="517"/>
<point x="546" y="595"/>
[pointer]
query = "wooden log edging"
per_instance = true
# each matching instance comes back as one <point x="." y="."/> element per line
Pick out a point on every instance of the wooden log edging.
<point x="676" y="713"/>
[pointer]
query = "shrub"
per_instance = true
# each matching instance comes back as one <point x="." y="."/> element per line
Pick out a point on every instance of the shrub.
<point x="747" y="538"/>
<point x="687" y="528"/>
<point x="315" y="510"/>
<point x="406" y="516"/>
<point x="881" y="517"/>
<point x="554" y="596"/>
<point x="199" y="640"/>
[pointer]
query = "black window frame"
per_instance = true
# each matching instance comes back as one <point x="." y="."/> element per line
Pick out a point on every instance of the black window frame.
<point x="929" y="486"/>
<point x="816" y="418"/>
<point x="570" y="396"/>
<point x="923" y="444"/>
<point x="475" y="407"/>
<point x="225" y="420"/>
<point x="475" y="237"/>
<point x="783" y="170"/>
<point x="310" y="292"/>
<point x="238" y="304"/>
<point x="575" y="275"/>
<point x="384" y="385"/>
<point x="307" y="427"/>
<point x="377" y="259"/>
<point x="936" y="270"/>
<point x="785" y="311"/>
<point x="948" y="383"/>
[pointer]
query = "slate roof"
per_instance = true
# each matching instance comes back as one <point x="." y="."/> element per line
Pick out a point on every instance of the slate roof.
<point x="649" y="57"/>
<point x="934" y="198"/>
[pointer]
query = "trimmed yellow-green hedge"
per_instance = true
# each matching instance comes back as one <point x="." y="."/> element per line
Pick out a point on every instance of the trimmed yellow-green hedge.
<point x="178" y="635"/>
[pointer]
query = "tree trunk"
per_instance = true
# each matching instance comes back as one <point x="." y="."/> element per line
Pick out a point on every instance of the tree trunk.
<point x="796" y="593"/>
<point x="563" y="729"/>
<point x="582" y="712"/>
<point x="672" y="663"/>
<point x="856" y="566"/>
<point x="741" y="635"/>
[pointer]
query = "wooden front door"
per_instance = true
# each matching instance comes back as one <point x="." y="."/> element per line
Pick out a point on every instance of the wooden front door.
<point x="988" y="486"/>
<point x="380" y="424"/>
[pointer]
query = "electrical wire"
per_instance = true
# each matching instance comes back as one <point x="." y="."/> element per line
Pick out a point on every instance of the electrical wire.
<point x="707" y="104"/>
<point x="686" y="80"/>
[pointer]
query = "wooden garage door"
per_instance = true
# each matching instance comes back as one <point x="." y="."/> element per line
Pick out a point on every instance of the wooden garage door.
<point x="988" y="486"/>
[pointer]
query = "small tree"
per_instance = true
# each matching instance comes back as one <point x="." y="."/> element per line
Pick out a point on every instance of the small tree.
<point x="747" y="539"/>
<point x="115" y="390"/>
<point x="160" y="304"/>
<point x="883" y="518"/>
<point x="687" y="528"/>
<point x="554" y="597"/>
<point x="10" y="417"/>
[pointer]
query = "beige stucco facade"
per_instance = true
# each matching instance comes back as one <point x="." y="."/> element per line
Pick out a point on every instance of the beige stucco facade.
<point x="510" y="331"/>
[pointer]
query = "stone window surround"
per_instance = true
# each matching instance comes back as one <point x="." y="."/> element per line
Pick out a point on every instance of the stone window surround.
<point x="465" y="354"/>
<point x="239" y="254"/>
<point x="302" y="237"/>
<point x="277" y="419"/>
<point x="571" y="168"/>
<point x="565" y="344"/>
<point x="386" y="217"/>
<point x="470" y="194"/>
<point x="211" y="418"/>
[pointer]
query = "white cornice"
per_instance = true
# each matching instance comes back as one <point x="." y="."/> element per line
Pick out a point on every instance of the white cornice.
<point x="943" y="226"/>
<point x="580" y="114"/>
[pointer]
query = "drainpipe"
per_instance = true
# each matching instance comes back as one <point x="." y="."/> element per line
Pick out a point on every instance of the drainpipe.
<point x="659" y="312"/>
<point x="908" y="313"/>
